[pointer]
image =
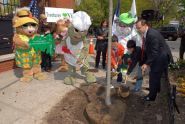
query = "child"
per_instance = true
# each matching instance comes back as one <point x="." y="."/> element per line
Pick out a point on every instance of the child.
<point x="135" y="53"/>
<point x="45" y="28"/>
<point x="117" y="52"/>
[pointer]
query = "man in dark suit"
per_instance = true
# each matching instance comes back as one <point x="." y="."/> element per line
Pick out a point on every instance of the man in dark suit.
<point x="157" y="57"/>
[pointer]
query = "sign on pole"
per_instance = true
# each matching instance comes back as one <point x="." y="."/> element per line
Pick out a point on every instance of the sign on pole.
<point x="54" y="14"/>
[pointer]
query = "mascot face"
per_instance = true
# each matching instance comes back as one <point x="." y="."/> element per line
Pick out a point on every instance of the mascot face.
<point x="62" y="26"/>
<point x="28" y="29"/>
<point x="122" y="29"/>
<point x="76" y="35"/>
<point x="80" y="24"/>
<point x="124" y="24"/>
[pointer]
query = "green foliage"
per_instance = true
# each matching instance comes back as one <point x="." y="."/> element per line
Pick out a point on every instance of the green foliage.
<point x="140" y="5"/>
<point x="95" y="9"/>
<point x="182" y="11"/>
<point x="180" y="64"/>
<point x="99" y="9"/>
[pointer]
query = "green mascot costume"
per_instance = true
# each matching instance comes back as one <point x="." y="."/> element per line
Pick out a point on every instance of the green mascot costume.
<point x="76" y="51"/>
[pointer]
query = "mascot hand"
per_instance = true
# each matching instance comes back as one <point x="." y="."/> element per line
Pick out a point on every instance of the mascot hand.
<point x="47" y="32"/>
<point x="19" y="43"/>
<point x="37" y="35"/>
<point x="55" y="36"/>
<point x="100" y="37"/>
<point x="79" y="61"/>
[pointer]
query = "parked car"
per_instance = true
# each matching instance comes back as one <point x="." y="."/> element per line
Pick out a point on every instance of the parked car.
<point x="170" y="32"/>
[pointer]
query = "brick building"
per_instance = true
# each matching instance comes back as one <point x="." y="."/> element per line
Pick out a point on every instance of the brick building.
<point x="6" y="14"/>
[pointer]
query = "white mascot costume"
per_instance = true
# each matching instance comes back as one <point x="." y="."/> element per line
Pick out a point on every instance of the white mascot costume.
<point x="125" y="30"/>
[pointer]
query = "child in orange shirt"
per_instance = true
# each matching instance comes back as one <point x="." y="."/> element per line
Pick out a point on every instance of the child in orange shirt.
<point x="117" y="53"/>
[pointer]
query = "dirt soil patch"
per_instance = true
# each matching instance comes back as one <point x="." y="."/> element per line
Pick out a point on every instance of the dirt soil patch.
<point x="139" y="112"/>
<point x="71" y="109"/>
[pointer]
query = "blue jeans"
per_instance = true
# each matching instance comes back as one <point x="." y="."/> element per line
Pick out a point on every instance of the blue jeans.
<point x="139" y="80"/>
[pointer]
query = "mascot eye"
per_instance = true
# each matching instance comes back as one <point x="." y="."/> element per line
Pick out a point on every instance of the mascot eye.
<point x="33" y="24"/>
<point x="77" y="30"/>
<point x="25" y="25"/>
<point x="122" y="25"/>
<point x="30" y="24"/>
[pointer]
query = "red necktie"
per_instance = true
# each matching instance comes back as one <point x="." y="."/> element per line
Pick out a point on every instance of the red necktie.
<point x="142" y="49"/>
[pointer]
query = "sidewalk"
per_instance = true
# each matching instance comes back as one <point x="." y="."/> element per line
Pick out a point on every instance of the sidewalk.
<point x="27" y="103"/>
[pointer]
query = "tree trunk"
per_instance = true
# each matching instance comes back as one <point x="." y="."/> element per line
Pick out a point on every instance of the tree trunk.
<point x="108" y="100"/>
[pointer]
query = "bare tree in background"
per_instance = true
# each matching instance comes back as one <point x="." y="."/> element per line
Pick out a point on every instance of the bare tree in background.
<point x="164" y="5"/>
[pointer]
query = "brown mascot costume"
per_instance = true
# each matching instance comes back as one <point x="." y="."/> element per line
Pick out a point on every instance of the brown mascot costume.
<point x="27" y="58"/>
<point x="60" y="36"/>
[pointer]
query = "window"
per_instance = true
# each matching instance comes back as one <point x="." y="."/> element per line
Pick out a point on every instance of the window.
<point x="7" y="9"/>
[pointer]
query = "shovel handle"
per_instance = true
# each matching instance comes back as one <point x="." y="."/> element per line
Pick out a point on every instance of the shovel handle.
<point x="126" y="78"/>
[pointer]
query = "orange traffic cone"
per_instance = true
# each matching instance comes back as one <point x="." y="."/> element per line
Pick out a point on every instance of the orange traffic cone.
<point x="91" y="48"/>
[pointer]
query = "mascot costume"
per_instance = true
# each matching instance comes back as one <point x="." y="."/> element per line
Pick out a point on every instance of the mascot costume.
<point x="60" y="36"/>
<point x="125" y="30"/>
<point x="76" y="50"/>
<point x="27" y="58"/>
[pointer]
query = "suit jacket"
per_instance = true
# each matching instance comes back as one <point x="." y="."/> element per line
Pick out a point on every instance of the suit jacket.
<point x="157" y="52"/>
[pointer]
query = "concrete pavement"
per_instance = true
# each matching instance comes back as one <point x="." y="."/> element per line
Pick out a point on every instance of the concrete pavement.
<point x="26" y="103"/>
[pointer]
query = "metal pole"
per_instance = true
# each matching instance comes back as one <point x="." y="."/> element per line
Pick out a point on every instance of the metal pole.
<point x="108" y="99"/>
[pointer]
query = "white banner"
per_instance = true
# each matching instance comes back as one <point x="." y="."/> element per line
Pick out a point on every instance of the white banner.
<point x="54" y="14"/>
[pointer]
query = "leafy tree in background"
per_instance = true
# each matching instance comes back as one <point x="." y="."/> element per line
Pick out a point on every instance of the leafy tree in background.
<point x="95" y="9"/>
<point x="169" y="8"/>
<point x="98" y="9"/>
<point x="182" y="11"/>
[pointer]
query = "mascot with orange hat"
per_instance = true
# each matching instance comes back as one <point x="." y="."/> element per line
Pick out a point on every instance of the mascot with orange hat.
<point x="27" y="58"/>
